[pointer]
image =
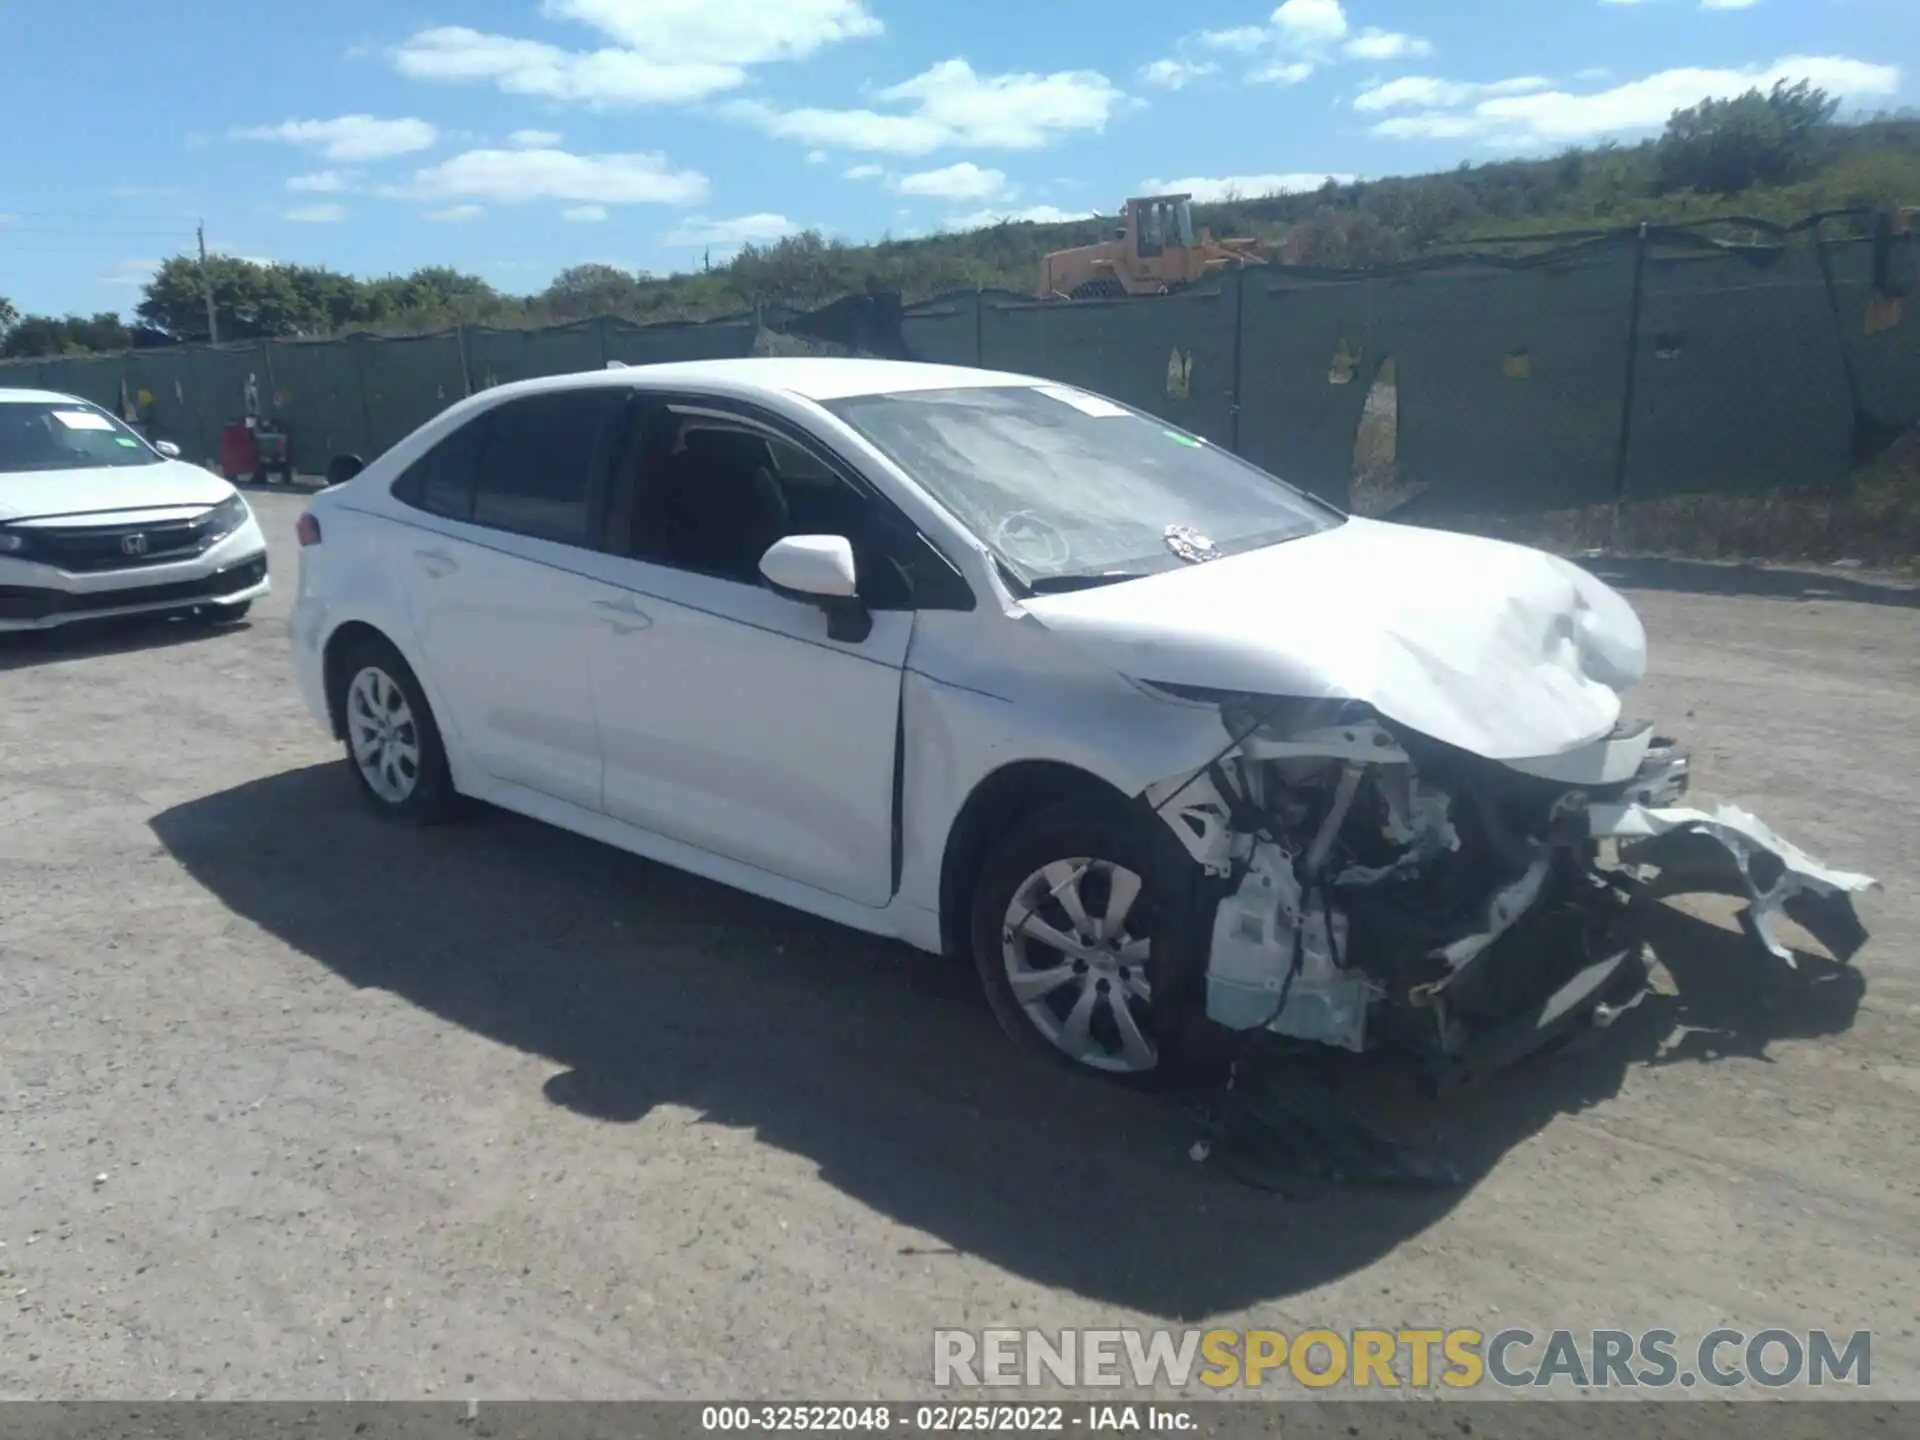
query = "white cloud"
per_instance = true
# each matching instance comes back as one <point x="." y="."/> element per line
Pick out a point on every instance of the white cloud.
<point x="1281" y="72"/>
<point x="534" y="139"/>
<point x="350" y="137"/>
<point x="456" y="214"/>
<point x="1209" y="188"/>
<point x="1425" y="92"/>
<point x="965" y="181"/>
<point x="662" y="51"/>
<point x="1374" y="43"/>
<point x="817" y="157"/>
<point x="1311" y="24"/>
<point x="585" y="214"/>
<point x="327" y="214"/>
<point x="698" y="231"/>
<point x="1033" y="214"/>
<point x="1173" y="73"/>
<point x="1549" y="116"/>
<point x="861" y="172"/>
<point x="1302" y="35"/>
<point x="320" y="182"/>
<point x="454" y="54"/>
<point x="951" y="105"/>
<point x="1242" y="38"/>
<point x="510" y="177"/>
<point x="1728" y="4"/>
<point x="738" y="32"/>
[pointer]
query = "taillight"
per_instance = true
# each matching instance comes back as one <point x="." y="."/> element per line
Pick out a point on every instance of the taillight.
<point x="308" y="529"/>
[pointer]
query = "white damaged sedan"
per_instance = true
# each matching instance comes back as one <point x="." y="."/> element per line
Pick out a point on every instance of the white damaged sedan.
<point x="1167" y="748"/>
<point x="95" y="522"/>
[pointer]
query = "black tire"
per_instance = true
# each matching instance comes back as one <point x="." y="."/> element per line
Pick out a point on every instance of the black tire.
<point x="1167" y="913"/>
<point x="1102" y="289"/>
<point x="430" y="798"/>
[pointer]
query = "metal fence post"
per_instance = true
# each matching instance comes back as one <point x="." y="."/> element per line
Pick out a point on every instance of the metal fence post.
<point x="358" y="366"/>
<point x="1627" y="395"/>
<point x="466" y="370"/>
<point x="1239" y="354"/>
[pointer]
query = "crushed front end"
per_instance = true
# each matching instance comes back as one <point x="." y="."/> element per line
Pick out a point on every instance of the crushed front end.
<point x="1376" y="887"/>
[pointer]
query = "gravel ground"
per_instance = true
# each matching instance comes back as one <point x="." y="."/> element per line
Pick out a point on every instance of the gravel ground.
<point x="294" y="1104"/>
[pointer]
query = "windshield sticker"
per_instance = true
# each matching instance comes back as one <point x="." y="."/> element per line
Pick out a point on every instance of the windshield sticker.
<point x="1190" y="545"/>
<point x="1186" y="440"/>
<point x="1083" y="402"/>
<point x="125" y="443"/>
<point x="83" y="420"/>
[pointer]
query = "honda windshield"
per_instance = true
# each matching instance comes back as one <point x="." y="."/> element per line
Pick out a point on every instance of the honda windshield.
<point x="66" y="435"/>
<point x="1064" y="486"/>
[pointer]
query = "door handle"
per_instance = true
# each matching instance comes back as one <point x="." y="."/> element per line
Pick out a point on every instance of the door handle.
<point x="436" y="563"/>
<point x="623" y="615"/>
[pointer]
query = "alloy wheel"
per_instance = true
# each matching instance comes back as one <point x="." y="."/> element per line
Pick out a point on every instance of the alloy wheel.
<point x="1076" y="954"/>
<point x="383" y="735"/>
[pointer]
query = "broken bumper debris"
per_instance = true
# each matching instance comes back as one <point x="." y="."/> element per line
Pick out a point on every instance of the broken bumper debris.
<point x="1376" y="888"/>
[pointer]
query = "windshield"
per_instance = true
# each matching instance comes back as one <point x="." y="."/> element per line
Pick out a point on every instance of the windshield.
<point x="1061" y="484"/>
<point x="65" y="435"/>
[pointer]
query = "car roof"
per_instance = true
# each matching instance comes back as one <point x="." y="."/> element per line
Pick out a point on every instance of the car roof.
<point x="39" y="397"/>
<point x="809" y="377"/>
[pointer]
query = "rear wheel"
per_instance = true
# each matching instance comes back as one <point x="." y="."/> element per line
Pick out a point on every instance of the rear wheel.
<point x="1084" y="936"/>
<point x="1106" y="288"/>
<point x="392" y="743"/>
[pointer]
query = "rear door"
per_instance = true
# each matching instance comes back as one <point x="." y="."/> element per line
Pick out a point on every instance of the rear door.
<point x="500" y="589"/>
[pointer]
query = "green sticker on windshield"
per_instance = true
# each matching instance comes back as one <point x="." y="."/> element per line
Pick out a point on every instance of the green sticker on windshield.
<point x="125" y="443"/>
<point x="1179" y="439"/>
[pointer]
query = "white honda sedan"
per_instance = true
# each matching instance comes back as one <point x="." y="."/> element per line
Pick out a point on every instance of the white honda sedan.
<point x="94" y="521"/>
<point x="1168" y="748"/>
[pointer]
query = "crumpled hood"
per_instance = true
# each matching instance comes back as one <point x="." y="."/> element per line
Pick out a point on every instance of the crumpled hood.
<point x="1501" y="650"/>
<point x="35" y="493"/>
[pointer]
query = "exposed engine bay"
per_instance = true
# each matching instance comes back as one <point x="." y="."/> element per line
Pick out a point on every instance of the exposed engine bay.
<point x="1377" y="887"/>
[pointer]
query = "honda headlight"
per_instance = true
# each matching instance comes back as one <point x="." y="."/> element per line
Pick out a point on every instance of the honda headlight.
<point x="11" y="543"/>
<point x="226" y="517"/>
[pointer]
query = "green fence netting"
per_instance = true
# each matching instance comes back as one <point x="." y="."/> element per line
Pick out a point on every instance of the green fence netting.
<point x="663" y="344"/>
<point x="1170" y="355"/>
<point x="1876" y="304"/>
<point x="407" y="382"/>
<point x="1308" y="358"/>
<point x="324" y="409"/>
<point x="499" y="357"/>
<point x="1774" y="362"/>
<point x="1739" y="380"/>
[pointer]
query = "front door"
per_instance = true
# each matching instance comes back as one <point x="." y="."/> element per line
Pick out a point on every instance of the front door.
<point x="729" y="719"/>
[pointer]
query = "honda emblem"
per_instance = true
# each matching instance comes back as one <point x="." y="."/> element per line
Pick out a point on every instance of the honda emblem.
<point x="133" y="544"/>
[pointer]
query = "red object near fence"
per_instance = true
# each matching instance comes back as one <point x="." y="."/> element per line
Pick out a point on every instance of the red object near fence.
<point x="239" y="454"/>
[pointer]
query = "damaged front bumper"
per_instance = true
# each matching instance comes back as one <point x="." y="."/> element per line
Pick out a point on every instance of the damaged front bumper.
<point x="1372" y="888"/>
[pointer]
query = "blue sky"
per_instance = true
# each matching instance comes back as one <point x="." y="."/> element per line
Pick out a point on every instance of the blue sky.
<point x="515" y="137"/>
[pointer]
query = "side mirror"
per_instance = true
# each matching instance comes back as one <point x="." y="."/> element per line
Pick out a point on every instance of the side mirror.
<point x="342" y="468"/>
<point x="819" y="570"/>
<point x="167" y="448"/>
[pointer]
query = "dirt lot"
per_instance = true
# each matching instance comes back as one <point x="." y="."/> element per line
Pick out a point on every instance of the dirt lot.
<point x="296" y="1104"/>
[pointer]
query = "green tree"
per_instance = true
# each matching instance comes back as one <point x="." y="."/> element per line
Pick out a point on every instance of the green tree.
<point x="9" y="317"/>
<point x="1722" y="147"/>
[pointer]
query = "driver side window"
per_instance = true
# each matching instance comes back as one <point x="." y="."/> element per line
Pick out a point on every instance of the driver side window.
<point x="710" y="494"/>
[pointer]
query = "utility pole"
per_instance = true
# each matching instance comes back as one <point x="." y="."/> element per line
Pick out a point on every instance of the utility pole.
<point x="206" y="284"/>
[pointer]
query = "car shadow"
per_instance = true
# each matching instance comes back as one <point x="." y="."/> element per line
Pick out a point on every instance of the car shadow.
<point x="882" y="1067"/>
<point x="116" y="635"/>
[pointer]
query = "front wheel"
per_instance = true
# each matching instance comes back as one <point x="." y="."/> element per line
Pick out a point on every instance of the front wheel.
<point x="1085" y="937"/>
<point x="393" y="745"/>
